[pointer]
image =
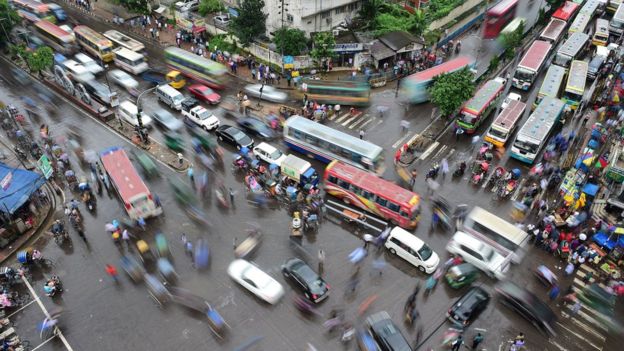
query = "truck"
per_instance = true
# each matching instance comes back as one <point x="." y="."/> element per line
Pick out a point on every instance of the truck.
<point x="194" y="112"/>
<point x="300" y="171"/>
<point x="615" y="170"/>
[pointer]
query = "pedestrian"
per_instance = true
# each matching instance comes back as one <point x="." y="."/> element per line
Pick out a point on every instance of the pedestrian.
<point x="476" y="341"/>
<point x="152" y="33"/>
<point x="576" y="308"/>
<point x="188" y="249"/>
<point x="231" y="192"/>
<point x="321" y="261"/>
<point x="125" y="236"/>
<point x="183" y="239"/>
<point x="191" y="175"/>
<point x="368" y="238"/>
<point x="553" y="293"/>
<point x="457" y="343"/>
<point x="404" y="126"/>
<point x="362" y="133"/>
<point x="413" y="176"/>
<point x="158" y="34"/>
<point x="180" y="158"/>
<point x="141" y="223"/>
<point x="435" y="220"/>
<point x="112" y="272"/>
<point x="445" y="167"/>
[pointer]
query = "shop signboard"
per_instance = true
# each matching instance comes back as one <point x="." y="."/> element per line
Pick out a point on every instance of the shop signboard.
<point x="44" y="166"/>
<point x="348" y="47"/>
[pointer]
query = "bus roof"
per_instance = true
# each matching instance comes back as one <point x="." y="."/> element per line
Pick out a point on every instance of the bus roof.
<point x="535" y="55"/>
<point x="125" y="40"/>
<point x="602" y="26"/>
<point x="510" y="115"/>
<point x="363" y="147"/>
<point x="554" y="29"/>
<point x="124" y="175"/>
<point x="573" y="45"/>
<point x="33" y="4"/>
<point x="513" y="25"/>
<point x="580" y="22"/>
<point x="214" y="67"/>
<point x="92" y="34"/>
<point x="373" y="183"/>
<point x="590" y="6"/>
<point x="619" y="13"/>
<point x="496" y="224"/>
<point x="483" y="97"/>
<point x="542" y="119"/>
<point x="577" y="77"/>
<point x="552" y="81"/>
<point x="566" y="11"/>
<point x="54" y="30"/>
<point x="337" y="84"/>
<point x="502" y="7"/>
<point x="446" y="67"/>
<point x="129" y="54"/>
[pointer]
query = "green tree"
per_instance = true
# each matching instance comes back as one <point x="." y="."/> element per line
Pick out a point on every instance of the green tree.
<point x="512" y="40"/>
<point x="9" y="18"/>
<point x="210" y="6"/>
<point x="251" y="21"/>
<point x="323" y="47"/>
<point x="370" y="10"/>
<point x="450" y="90"/>
<point x="40" y="59"/>
<point x="136" y="6"/>
<point x="400" y="20"/>
<point x="290" y="41"/>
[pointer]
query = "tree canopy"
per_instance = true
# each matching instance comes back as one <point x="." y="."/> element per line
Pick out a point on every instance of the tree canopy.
<point x="383" y="17"/>
<point x="450" y="90"/>
<point x="210" y="6"/>
<point x="136" y="6"/>
<point x="324" y="44"/>
<point x="9" y="18"/>
<point x="290" y="41"/>
<point x="512" y="40"/>
<point x="251" y="21"/>
<point x="40" y="59"/>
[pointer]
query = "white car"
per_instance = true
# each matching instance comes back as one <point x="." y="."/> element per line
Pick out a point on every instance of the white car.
<point x="269" y="154"/>
<point x="89" y="63"/>
<point x="255" y="280"/>
<point x="479" y="254"/>
<point x="128" y="111"/>
<point x="123" y="79"/>
<point x="406" y="245"/>
<point x="222" y="20"/>
<point x="269" y="93"/>
<point x="511" y="97"/>
<point x="77" y="72"/>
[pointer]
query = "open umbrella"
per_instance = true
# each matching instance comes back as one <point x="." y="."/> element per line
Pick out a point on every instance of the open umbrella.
<point x="601" y="163"/>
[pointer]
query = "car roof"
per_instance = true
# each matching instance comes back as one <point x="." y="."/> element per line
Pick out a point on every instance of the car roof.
<point x="83" y="58"/>
<point x="468" y="240"/>
<point x="464" y="268"/>
<point x="266" y="147"/>
<point x="528" y="300"/>
<point x="198" y="86"/>
<point x="386" y="329"/>
<point x="407" y="238"/>
<point x="472" y="297"/>
<point x="303" y="269"/>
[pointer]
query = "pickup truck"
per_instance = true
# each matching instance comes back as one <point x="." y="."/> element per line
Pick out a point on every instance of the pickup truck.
<point x="154" y="77"/>
<point x="194" y="112"/>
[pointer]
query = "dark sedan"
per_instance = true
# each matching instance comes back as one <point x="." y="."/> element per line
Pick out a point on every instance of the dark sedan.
<point x="314" y="287"/>
<point x="234" y="136"/>
<point x="469" y="307"/>
<point x="528" y="306"/>
<point x="385" y="333"/>
<point x="255" y="127"/>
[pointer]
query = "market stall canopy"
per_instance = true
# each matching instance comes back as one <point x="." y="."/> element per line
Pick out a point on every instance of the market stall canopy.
<point x="16" y="186"/>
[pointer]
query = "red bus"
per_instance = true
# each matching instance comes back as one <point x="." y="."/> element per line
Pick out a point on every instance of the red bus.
<point x="373" y="194"/>
<point x="137" y="198"/>
<point x="566" y="12"/>
<point x="497" y="17"/>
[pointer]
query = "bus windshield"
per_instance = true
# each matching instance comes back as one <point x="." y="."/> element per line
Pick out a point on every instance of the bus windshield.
<point x="526" y="146"/>
<point x="498" y="133"/>
<point x="524" y="74"/>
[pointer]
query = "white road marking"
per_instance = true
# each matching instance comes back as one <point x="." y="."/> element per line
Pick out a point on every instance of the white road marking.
<point x="59" y="333"/>
<point x="582" y="337"/>
<point x="345" y="123"/>
<point x="363" y="119"/>
<point x="377" y="124"/>
<point x="345" y="115"/>
<point x="400" y="141"/>
<point x="429" y="150"/>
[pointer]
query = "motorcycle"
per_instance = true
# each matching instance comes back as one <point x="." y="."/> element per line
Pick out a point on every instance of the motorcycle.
<point x="479" y="172"/>
<point x="460" y="170"/>
<point x="53" y="286"/>
<point x="433" y="171"/>
<point x="239" y="164"/>
<point x="59" y="232"/>
<point x="499" y="173"/>
<point x="485" y="153"/>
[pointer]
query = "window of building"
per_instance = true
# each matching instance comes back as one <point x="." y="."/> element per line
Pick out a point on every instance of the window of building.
<point x="340" y="9"/>
<point x="289" y="17"/>
<point x="325" y="14"/>
<point x="353" y="7"/>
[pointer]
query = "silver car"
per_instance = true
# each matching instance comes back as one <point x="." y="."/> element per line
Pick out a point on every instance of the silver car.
<point x="123" y="79"/>
<point x="269" y="93"/>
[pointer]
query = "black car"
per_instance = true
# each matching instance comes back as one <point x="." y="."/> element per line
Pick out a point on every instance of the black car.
<point x="255" y="127"/>
<point x="314" y="287"/>
<point x="234" y="136"/>
<point x="386" y="334"/>
<point x="469" y="307"/>
<point x="528" y="306"/>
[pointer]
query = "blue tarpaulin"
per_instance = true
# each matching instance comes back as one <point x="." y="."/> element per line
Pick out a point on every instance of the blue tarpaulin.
<point x="591" y="189"/>
<point x="16" y="187"/>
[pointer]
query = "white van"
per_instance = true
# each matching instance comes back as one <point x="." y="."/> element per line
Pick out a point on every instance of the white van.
<point x="130" y="61"/>
<point x="77" y="72"/>
<point x="89" y="63"/>
<point x="128" y="111"/>
<point x="407" y="246"/>
<point x="479" y="254"/>
<point x="167" y="94"/>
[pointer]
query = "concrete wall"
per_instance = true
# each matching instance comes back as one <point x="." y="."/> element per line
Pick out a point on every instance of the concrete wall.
<point x="454" y="14"/>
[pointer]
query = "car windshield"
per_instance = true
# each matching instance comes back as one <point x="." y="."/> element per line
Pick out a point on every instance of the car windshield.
<point x="487" y="252"/>
<point x="276" y="154"/>
<point x="237" y="134"/>
<point x="206" y="91"/>
<point x="425" y="252"/>
<point x="203" y="114"/>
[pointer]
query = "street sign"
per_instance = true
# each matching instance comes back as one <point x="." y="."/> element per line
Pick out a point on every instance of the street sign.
<point x="44" y="166"/>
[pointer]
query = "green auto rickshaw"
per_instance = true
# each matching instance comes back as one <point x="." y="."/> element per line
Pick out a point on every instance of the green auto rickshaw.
<point x="461" y="275"/>
<point x="147" y="164"/>
<point x="184" y="194"/>
<point x="174" y="141"/>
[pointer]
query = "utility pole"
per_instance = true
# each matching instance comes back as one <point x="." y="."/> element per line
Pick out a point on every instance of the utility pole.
<point x="283" y="10"/>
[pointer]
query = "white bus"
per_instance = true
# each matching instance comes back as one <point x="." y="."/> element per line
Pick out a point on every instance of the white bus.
<point x="616" y="26"/>
<point x="535" y="132"/>
<point x="580" y="24"/>
<point x="572" y="49"/>
<point x="498" y="233"/>
<point x="575" y="87"/>
<point x="531" y="64"/>
<point x="601" y="33"/>
<point x="553" y="30"/>
<point x="130" y="61"/>
<point x="552" y="84"/>
<point x="123" y="41"/>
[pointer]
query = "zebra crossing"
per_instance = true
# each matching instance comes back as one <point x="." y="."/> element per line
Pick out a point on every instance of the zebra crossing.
<point x="584" y="325"/>
<point x="359" y="120"/>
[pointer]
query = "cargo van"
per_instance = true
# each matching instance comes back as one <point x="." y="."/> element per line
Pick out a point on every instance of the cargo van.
<point x="170" y="96"/>
<point x="413" y="250"/>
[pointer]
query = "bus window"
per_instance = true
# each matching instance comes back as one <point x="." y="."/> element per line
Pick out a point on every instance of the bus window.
<point x="368" y="195"/>
<point x="383" y="202"/>
<point x="332" y="179"/>
<point x="343" y="184"/>
<point x="393" y="207"/>
<point x="310" y="139"/>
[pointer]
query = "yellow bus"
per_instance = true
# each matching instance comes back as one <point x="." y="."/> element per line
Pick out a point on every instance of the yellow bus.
<point x="575" y="87"/>
<point x="94" y="43"/>
<point x="601" y="34"/>
<point x="56" y="38"/>
<point x="33" y="11"/>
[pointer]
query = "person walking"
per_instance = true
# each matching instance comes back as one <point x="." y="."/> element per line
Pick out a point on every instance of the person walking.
<point x="321" y="261"/>
<point x="188" y="249"/>
<point x="478" y="339"/>
<point x="232" y="192"/>
<point x="576" y="308"/>
<point x="112" y="272"/>
<point x="125" y="237"/>
<point x="445" y="167"/>
<point x="553" y="293"/>
<point x="362" y="134"/>
<point x="457" y="343"/>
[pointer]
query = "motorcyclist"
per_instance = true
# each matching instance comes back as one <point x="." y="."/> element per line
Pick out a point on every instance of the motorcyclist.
<point x="36" y="255"/>
<point x="52" y="286"/>
<point x="57" y="227"/>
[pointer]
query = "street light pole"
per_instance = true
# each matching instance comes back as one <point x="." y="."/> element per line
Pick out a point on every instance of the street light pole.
<point x="4" y="30"/>
<point x="139" y="119"/>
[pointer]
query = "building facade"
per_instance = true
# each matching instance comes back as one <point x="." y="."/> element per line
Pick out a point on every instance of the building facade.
<point x="311" y="16"/>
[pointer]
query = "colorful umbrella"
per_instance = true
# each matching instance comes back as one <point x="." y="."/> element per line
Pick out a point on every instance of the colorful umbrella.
<point x="601" y="163"/>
